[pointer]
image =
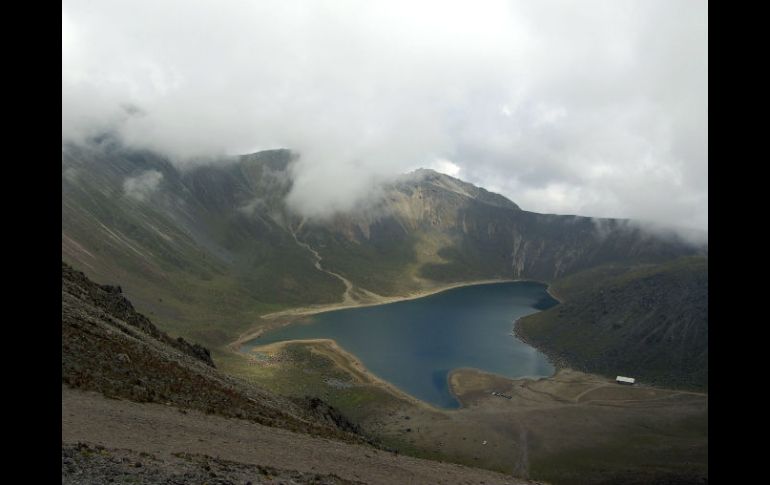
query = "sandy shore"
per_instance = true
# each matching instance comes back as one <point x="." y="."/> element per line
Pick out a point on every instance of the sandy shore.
<point x="281" y="318"/>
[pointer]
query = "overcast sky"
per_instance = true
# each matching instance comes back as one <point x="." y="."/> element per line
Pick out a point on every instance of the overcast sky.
<point x="580" y="107"/>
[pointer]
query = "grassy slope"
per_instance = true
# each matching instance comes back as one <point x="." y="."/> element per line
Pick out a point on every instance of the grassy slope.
<point x="185" y="255"/>
<point x="649" y="322"/>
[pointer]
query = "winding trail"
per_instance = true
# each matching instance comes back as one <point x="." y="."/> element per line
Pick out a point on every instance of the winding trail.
<point x="347" y="297"/>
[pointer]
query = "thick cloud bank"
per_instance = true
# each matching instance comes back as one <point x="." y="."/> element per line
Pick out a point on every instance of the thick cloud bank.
<point x="591" y="108"/>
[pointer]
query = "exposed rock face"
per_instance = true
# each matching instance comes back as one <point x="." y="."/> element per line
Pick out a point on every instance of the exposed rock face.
<point x="450" y="230"/>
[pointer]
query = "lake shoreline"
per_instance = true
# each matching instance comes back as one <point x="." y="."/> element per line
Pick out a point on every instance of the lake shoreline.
<point x="556" y="361"/>
<point x="353" y="365"/>
<point x="350" y="362"/>
<point x="293" y="314"/>
<point x="552" y="293"/>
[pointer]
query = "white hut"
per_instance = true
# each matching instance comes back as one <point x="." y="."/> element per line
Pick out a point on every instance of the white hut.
<point x="625" y="380"/>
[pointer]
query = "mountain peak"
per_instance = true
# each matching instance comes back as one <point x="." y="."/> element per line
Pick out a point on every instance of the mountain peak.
<point x="276" y="159"/>
<point x="427" y="176"/>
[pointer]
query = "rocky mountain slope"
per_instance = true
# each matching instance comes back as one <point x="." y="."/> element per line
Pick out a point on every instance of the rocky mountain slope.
<point x="206" y="249"/>
<point x="110" y="348"/>
<point x="430" y="226"/>
<point x="648" y="321"/>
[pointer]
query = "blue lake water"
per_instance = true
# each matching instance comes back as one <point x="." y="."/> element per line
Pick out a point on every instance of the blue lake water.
<point x="414" y="344"/>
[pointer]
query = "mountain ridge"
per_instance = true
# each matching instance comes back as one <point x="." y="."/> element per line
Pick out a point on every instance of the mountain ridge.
<point x="219" y="242"/>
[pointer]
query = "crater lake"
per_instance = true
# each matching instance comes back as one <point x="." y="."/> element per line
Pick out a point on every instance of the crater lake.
<point x="414" y="344"/>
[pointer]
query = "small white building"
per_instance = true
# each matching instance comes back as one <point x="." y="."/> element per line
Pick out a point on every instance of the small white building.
<point x="625" y="380"/>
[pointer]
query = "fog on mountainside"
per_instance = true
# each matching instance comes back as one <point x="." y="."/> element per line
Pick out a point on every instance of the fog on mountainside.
<point x="595" y="109"/>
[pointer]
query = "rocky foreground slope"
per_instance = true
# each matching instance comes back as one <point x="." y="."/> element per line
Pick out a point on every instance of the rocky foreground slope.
<point x="84" y="464"/>
<point x="141" y="407"/>
<point x="110" y="348"/>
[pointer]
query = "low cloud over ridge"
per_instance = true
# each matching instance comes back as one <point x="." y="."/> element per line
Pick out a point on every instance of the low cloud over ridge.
<point x="596" y="108"/>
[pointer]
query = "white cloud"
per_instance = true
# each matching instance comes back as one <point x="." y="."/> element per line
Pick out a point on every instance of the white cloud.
<point x="593" y="108"/>
<point x="143" y="185"/>
<point x="445" y="166"/>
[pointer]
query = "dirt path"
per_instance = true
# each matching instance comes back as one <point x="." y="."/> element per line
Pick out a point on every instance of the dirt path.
<point x="163" y="430"/>
<point x="590" y="389"/>
<point x="347" y="297"/>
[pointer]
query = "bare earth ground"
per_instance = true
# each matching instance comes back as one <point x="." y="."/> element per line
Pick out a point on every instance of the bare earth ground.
<point x="570" y="428"/>
<point x="84" y="464"/>
<point x="166" y="433"/>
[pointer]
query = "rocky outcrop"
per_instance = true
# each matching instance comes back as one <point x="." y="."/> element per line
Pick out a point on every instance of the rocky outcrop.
<point x="330" y="414"/>
<point x="111" y="300"/>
